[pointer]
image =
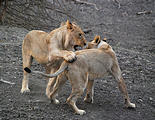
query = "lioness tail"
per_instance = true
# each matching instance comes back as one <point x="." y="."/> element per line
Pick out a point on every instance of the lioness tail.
<point x="47" y="75"/>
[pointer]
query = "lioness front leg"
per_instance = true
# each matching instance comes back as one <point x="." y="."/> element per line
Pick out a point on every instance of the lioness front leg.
<point x="78" y="82"/>
<point x="72" y="101"/>
<point x="67" y="55"/>
<point x="70" y="56"/>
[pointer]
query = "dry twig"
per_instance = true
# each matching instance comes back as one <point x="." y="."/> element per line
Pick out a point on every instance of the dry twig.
<point x="87" y="3"/>
<point x="4" y="10"/>
<point x="144" y="12"/>
<point x="117" y="1"/>
<point x="7" y="82"/>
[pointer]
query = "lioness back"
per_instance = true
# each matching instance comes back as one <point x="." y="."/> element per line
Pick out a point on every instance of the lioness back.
<point x="36" y="36"/>
<point x="35" y="43"/>
<point x="93" y="60"/>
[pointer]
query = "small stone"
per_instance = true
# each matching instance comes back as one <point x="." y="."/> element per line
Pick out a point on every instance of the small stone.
<point x="140" y="100"/>
<point x="35" y="108"/>
<point x="150" y="98"/>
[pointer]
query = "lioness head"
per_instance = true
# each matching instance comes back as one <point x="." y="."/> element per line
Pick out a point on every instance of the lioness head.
<point x="98" y="43"/>
<point x="75" y="38"/>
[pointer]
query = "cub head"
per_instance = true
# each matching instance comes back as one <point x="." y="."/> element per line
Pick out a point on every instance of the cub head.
<point x="75" y="39"/>
<point x="98" y="43"/>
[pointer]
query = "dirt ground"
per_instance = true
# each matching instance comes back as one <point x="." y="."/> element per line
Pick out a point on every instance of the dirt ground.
<point x="132" y="37"/>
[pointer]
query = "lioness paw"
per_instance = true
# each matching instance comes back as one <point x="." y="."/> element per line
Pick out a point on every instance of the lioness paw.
<point x="25" y="90"/>
<point x="88" y="100"/>
<point x="81" y="112"/>
<point x="55" y="101"/>
<point x="131" y="105"/>
<point x="70" y="57"/>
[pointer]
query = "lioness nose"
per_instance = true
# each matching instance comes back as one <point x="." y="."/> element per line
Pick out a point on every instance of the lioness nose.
<point x="77" y="47"/>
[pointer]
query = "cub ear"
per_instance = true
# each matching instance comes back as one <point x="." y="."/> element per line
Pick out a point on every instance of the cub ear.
<point x="97" y="39"/>
<point x="69" y="24"/>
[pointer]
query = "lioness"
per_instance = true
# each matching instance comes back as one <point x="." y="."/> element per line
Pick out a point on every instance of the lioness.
<point x="90" y="64"/>
<point x="50" y="49"/>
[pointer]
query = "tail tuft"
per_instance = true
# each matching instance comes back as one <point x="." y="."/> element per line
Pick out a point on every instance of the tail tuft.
<point x="27" y="70"/>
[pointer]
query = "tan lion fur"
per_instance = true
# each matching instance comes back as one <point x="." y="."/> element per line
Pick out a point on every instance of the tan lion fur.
<point x="90" y="64"/>
<point x="50" y="49"/>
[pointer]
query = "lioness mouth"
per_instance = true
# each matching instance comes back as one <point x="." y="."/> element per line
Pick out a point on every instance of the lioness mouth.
<point x="77" y="47"/>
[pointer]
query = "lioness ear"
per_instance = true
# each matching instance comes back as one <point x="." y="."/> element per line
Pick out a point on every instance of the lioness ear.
<point x="105" y="47"/>
<point x="47" y="41"/>
<point x="105" y="39"/>
<point x="97" y="39"/>
<point x="69" y="24"/>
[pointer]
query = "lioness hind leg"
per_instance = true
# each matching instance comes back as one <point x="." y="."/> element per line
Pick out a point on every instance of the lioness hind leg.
<point x="122" y="87"/>
<point x="50" y="85"/>
<point x="61" y="79"/>
<point x="90" y="92"/>
<point x="51" y="81"/>
<point x="27" y="61"/>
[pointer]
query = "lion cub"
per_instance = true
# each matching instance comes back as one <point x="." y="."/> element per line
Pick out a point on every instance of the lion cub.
<point x="92" y="64"/>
